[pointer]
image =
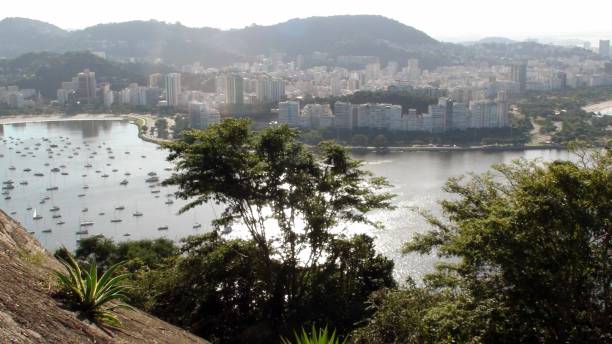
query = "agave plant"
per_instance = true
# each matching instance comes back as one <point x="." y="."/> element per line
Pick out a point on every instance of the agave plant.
<point x="322" y="336"/>
<point x="97" y="298"/>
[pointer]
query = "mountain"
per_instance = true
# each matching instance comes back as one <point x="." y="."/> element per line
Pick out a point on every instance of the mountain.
<point x="19" y="35"/>
<point x="30" y="314"/>
<point x="178" y="44"/>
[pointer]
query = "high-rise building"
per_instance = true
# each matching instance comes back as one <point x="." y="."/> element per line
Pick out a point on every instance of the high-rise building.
<point x="519" y="76"/>
<point x="86" y="86"/>
<point x="173" y="89"/>
<point x="269" y="89"/>
<point x="234" y="90"/>
<point x="198" y="115"/>
<point x="289" y="113"/>
<point x="604" y="48"/>
<point x="344" y="115"/>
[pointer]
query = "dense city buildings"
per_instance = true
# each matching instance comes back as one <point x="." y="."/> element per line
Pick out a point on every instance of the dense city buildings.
<point x="85" y="86"/>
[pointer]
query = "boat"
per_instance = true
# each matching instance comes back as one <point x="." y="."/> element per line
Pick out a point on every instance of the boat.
<point x="52" y="188"/>
<point x="81" y="195"/>
<point x="88" y="165"/>
<point x="7" y="198"/>
<point x="86" y="223"/>
<point x="137" y="214"/>
<point x="12" y="168"/>
<point x="119" y="207"/>
<point x="115" y="220"/>
<point x="124" y="182"/>
<point x="59" y="223"/>
<point x="162" y="228"/>
<point x="105" y="175"/>
<point x="155" y="191"/>
<point x="102" y="213"/>
<point x="127" y="174"/>
<point x="127" y="234"/>
<point x="48" y="230"/>
<point x="55" y="169"/>
<point x="169" y="202"/>
<point x="152" y="174"/>
<point x="56" y="216"/>
<point x="23" y="183"/>
<point x="152" y="179"/>
<point x="29" y="208"/>
<point x="85" y="186"/>
<point x="38" y="174"/>
<point x="64" y="173"/>
<point x="54" y="208"/>
<point x="197" y="225"/>
<point x="27" y="169"/>
<point x="82" y="232"/>
<point x="36" y="215"/>
<point x="84" y="210"/>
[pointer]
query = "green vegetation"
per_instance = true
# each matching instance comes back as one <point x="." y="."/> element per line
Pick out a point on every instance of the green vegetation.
<point x="526" y="260"/>
<point x="322" y="336"/>
<point x="96" y="298"/>
<point x="565" y="109"/>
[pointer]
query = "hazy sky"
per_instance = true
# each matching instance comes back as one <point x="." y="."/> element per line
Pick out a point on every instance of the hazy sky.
<point x="442" y="19"/>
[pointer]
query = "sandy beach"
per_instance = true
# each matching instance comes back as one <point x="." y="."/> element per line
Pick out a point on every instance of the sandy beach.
<point x="599" y="107"/>
<point x="59" y="117"/>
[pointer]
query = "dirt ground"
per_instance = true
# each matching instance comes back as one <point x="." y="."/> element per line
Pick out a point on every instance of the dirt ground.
<point x="29" y="313"/>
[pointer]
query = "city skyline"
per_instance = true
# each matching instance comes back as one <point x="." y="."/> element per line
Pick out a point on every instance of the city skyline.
<point x="459" y="21"/>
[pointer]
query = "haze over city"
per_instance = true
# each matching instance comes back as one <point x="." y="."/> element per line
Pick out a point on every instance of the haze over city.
<point x="443" y="20"/>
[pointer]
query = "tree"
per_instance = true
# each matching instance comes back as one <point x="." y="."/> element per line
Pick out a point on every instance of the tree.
<point x="292" y="202"/>
<point x="359" y="140"/>
<point x="527" y="259"/>
<point x="380" y="141"/>
<point x="162" y="128"/>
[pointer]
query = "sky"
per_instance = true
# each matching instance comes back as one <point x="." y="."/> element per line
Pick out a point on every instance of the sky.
<point x="449" y="20"/>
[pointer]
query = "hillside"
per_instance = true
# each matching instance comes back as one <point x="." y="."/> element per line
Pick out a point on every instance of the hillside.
<point x="29" y="314"/>
<point x="46" y="70"/>
<point x="178" y="44"/>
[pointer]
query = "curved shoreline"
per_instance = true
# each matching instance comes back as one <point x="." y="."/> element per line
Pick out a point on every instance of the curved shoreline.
<point x="140" y="121"/>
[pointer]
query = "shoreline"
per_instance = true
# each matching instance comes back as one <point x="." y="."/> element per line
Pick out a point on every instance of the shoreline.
<point x="140" y="120"/>
<point x="598" y="107"/>
<point x="19" y="119"/>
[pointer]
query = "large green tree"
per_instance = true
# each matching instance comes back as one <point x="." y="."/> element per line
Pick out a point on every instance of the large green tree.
<point x="294" y="204"/>
<point x="527" y="260"/>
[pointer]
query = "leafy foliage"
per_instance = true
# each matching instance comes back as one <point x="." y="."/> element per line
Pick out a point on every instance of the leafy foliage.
<point x="322" y="336"/>
<point x="294" y="205"/>
<point x="97" y="298"/>
<point x="527" y="260"/>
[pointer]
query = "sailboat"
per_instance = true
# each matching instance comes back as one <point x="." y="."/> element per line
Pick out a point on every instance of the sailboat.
<point x="36" y="215"/>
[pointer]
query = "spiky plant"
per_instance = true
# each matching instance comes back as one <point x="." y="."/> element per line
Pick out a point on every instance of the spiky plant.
<point x="97" y="298"/>
<point x="322" y="336"/>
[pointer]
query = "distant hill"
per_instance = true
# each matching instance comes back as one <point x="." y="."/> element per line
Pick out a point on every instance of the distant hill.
<point x="178" y="44"/>
<point x="491" y="40"/>
<point x="30" y="314"/>
<point x="45" y="71"/>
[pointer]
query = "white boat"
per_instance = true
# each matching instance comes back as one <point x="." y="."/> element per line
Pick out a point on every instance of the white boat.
<point x="124" y="182"/>
<point x="137" y="214"/>
<point x="59" y="223"/>
<point x="86" y="223"/>
<point x="152" y="179"/>
<point x="54" y="208"/>
<point x="169" y="202"/>
<point x="36" y="215"/>
<point x="52" y="188"/>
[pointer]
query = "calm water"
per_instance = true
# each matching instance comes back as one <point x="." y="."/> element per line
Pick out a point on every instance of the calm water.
<point x="417" y="178"/>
